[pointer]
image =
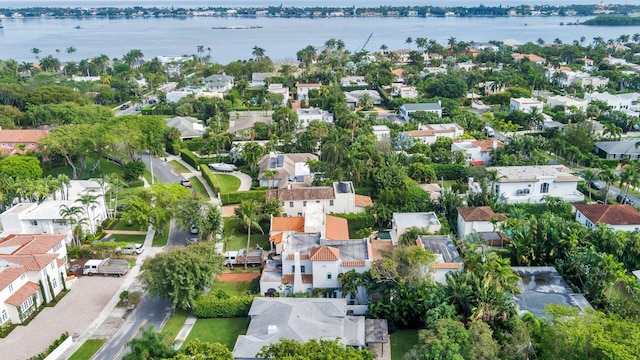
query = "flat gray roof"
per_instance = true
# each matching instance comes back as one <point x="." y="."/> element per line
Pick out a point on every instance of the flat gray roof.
<point x="422" y="107"/>
<point x="443" y="245"/>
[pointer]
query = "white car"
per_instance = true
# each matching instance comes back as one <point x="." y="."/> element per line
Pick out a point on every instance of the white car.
<point x="131" y="249"/>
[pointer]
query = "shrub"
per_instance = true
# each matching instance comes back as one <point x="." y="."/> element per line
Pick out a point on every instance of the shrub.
<point x="220" y="305"/>
<point x="173" y="148"/>
<point x="609" y="163"/>
<point x="51" y="347"/>
<point x="189" y="158"/>
<point x="133" y="170"/>
<point x="134" y="184"/>
<point x="448" y="171"/>
<point x="361" y="220"/>
<point x="211" y="179"/>
<point x="236" y="197"/>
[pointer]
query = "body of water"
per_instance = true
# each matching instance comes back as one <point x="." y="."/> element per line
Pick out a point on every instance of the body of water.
<point x="280" y="37"/>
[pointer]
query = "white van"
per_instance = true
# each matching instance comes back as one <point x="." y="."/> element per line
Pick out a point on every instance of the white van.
<point x="488" y="130"/>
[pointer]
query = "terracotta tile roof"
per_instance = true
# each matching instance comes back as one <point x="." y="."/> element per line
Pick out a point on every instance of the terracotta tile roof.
<point x="59" y="262"/>
<point x="23" y="294"/>
<point x="531" y="57"/>
<point x="32" y="243"/>
<point x="325" y="253"/>
<point x="610" y="214"/>
<point x="337" y="228"/>
<point x="302" y="257"/>
<point x="7" y="151"/>
<point x="421" y="133"/>
<point x="398" y="72"/>
<point x="276" y="239"/>
<point x="308" y="85"/>
<point x="21" y="136"/>
<point x="353" y="263"/>
<point x="288" y="278"/>
<point x="9" y="273"/>
<point x="487" y="145"/>
<point x="437" y="265"/>
<point x="479" y="213"/>
<point x="306" y="193"/>
<point x="363" y="200"/>
<point x="33" y="262"/>
<point x="287" y="223"/>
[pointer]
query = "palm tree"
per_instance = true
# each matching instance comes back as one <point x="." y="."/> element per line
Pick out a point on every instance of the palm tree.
<point x="609" y="176"/>
<point x="614" y="131"/>
<point x="89" y="201"/>
<point x="589" y="175"/>
<point x="365" y="101"/>
<point x="270" y="174"/>
<point x="258" y="52"/>
<point x="335" y="148"/>
<point x="36" y="52"/>
<point x="73" y="215"/>
<point x="248" y="216"/>
<point x="409" y="40"/>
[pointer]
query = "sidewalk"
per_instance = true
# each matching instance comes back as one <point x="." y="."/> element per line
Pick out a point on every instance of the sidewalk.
<point x="196" y="173"/>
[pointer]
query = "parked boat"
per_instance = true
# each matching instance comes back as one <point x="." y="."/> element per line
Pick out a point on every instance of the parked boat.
<point x="222" y="167"/>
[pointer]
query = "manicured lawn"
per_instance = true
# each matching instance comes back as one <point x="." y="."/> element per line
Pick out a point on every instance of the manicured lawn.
<point x="233" y="287"/>
<point x="106" y="167"/>
<point x="179" y="167"/>
<point x="238" y="240"/>
<point x="147" y="176"/>
<point x="174" y="324"/>
<point x="228" y="183"/>
<point x="136" y="239"/>
<point x="402" y="341"/>
<point x="123" y="226"/>
<point x="88" y="349"/>
<point x="196" y="185"/>
<point x="161" y="240"/>
<point x="224" y="331"/>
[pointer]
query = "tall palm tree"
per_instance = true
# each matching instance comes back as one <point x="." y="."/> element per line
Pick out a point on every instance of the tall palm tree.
<point x="73" y="215"/>
<point x="36" y="52"/>
<point x="89" y="201"/>
<point x="258" y="52"/>
<point x="248" y="216"/>
<point x="609" y="176"/>
<point x="70" y="50"/>
<point x="589" y="175"/>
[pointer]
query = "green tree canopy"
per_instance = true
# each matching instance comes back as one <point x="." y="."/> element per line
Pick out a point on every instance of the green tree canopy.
<point x="313" y="350"/>
<point x="21" y="167"/>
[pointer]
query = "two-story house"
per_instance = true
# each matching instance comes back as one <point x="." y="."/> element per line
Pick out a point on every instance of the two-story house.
<point x="302" y="90"/>
<point x="525" y="104"/>
<point x="402" y="222"/>
<point x="284" y="169"/>
<point x="477" y="219"/>
<point x="31" y="266"/>
<point x="382" y="132"/>
<point x="531" y="184"/>
<point x="20" y="141"/>
<point x="306" y="116"/>
<point x="477" y="152"/>
<point x="617" y="217"/>
<point x="219" y="83"/>
<point x="339" y="198"/>
<point x="407" y="109"/>
<point x="430" y="133"/>
<point x="259" y="79"/>
<point x="447" y="256"/>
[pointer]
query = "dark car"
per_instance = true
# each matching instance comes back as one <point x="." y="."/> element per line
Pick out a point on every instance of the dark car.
<point x="124" y="106"/>
<point x="185" y="183"/>
<point x="597" y="185"/>
<point x="624" y="200"/>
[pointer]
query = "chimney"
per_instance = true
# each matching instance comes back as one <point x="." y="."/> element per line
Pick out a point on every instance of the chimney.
<point x="495" y="143"/>
<point x="272" y="329"/>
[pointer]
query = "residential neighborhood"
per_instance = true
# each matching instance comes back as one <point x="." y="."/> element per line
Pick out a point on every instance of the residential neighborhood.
<point x="463" y="200"/>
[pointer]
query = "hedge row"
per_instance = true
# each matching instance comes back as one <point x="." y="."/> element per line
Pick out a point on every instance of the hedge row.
<point x="191" y="158"/>
<point x="448" y="171"/>
<point x="51" y="347"/>
<point x="211" y="178"/>
<point x="358" y="221"/>
<point x="609" y="163"/>
<point x="214" y="307"/>
<point x="236" y="197"/>
<point x="134" y="184"/>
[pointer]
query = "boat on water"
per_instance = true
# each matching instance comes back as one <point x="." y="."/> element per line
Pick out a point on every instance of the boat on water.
<point x="236" y="27"/>
<point x="222" y="167"/>
<point x="77" y="26"/>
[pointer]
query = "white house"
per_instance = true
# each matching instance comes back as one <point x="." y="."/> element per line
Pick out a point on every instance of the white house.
<point x="189" y="127"/>
<point x="340" y="198"/>
<point x="476" y="219"/>
<point x="306" y="116"/>
<point x="614" y="60"/>
<point x="428" y="134"/>
<point x="280" y="89"/>
<point x="617" y="217"/>
<point x="313" y="250"/>
<point x="477" y="152"/>
<point x="382" y="132"/>
<point x="408" y="92"/>
<point x="176" y="95"/>
<point x="484" y="46"/>
<point x="407" y="109"/>
<point x="353" y="97"/>
<point x="28" y="262"/>
<point x="621" y="149"/>
<point x="219" y="83"/>
<point x="353" y="81"/>
<point x="258" y="80"/>
<point x="289" y="168"/>
<point x="303" y="89"/>
<point x="447" y="256"/>
<point x="567" y="101"/>
<point x="45" y="218"/>
<point x="525" y="104"/>
<point x="300" y="319"/>
<point x="401" y="222"/>
<point x="466" y="66"/>
<point x="531" y="184"/>
<point x="627" y="101"/>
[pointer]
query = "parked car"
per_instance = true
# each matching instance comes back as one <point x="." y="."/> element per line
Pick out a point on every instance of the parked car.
<point x="194" y="229"/>
<point x="131" y="249"/>
<point x="597" y="185"/>
<point x="193" y="240"/>
<point x="624" y="200"/>
<point x="185" y="183"/>
<point x="124" y="106"/>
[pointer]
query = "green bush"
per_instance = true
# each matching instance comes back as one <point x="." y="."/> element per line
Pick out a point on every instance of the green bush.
<point x="133" y="170"/>
<point x="448" y="171"/>
<point x="609" y="163"/>
<point x="189" y="158"/>
<point x="173" y="148"/>
<point x="220" y="305"/>
<point x="194" y="144"/>
<point x="51" y="347"/>
<point x="361" y="220"/>
<point x="134" y="184"/>
<point x="211" y="179"/>
<point x="236" y="197"/>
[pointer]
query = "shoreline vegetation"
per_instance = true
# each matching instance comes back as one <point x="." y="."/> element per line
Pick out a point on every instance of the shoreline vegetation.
<point x="612" y="12"/>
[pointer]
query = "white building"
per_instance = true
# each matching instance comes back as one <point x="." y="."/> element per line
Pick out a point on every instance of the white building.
<point x="340" y="198"/>
<point x="574" y="77"/>
<point x="531" y="184"/>
<point x="428" y="134"/>
<point x="289" y="168"/>
<point x="476" y="219"/>
<point x="282" y="90"/>
<point x="408" y="92"/>
<point x="219" y="83"/>
<point x="382" y="132"/>
<point x="306" y="116"/>
<point x="617" y="217"/>
<point x="177" y="95"/>
<point x="567" y="101"/>
<point x="466" y="66"/>
<point x="45" y="218"/>
<point x="259" y="80"/>
<point x="28" y="262"/>
<point x="627" y="101"/>
<point x="614" y="61"/>
<point x="447" y="256"/>
<point x="402" y="222"/>
<point x="477" y="152"/>
<point x="525" y="104"/>
<point x="303" y="89"/>
<point x="353" y="81"/>
<point x="407" y="109"/>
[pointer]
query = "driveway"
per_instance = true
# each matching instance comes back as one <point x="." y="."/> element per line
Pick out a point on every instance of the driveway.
<point x="73" y="314"/>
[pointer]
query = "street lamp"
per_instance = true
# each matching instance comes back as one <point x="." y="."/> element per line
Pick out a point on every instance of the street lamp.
<point x="150" y="166"/>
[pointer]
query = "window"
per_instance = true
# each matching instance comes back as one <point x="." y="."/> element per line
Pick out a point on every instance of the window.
<point x="4" y="317"/>
<point x="330" y="202"/>
<point x="544" y="188"/>
<point x="33" y="222"/>
<point x="290" y="204"/>
<point x="10" y="288"/>
<point x="317" y="201"/>
<point x="302" y="269"/>
<point x="27" y="304"/>
<point x="53" y="265"/>
<point x="57" y="247"/>
<point x="293" y="269"/>
<point x="23" y="276"/>
<point x="304" y="203"/>
<point x="329" y="276"/>
<point x="54" y="282"/>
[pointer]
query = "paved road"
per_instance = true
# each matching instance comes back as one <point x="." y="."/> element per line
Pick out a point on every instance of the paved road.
<point x="148" y="312"/>
<point x="162" y="170"/>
